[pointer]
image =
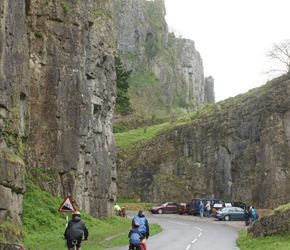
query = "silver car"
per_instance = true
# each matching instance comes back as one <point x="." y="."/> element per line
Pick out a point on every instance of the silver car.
<point x="230" y="213"/>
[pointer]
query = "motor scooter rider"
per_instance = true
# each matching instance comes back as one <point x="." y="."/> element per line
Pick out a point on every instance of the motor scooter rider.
<point x="75" y="230"/>
<point x="144" y="226"/>
<point x="117" y="209"/>
<point x="123" y="212"/>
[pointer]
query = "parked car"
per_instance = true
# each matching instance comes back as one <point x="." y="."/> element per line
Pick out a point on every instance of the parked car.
<point x="230" y="213"/>
<point x="219" y="205"/>
<point x="183" y="208"/>
<point x="164" y="208"/>
<point x="240" y="204"/>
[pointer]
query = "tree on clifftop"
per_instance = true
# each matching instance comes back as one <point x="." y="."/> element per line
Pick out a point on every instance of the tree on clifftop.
<point x="279" y="56"/>
<point x="123" y="94"/>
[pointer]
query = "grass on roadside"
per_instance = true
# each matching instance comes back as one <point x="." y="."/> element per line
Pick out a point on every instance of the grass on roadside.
<point x="246" y="242"/>
<point x="43" y="225"/>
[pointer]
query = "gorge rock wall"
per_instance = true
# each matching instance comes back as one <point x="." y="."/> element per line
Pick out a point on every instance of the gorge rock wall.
<point x="72" y="101"/>
<point x="236" y="149"/>
<point x="57" y="88"/>
<point x="145" y="46"/>
<point x="14" y="94"/>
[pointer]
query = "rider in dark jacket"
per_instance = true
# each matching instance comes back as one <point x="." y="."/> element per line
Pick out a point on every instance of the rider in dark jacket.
<point x="75" y="230"/>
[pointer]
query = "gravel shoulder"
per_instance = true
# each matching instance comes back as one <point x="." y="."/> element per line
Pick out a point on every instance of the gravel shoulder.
<point x="238" y="225"/>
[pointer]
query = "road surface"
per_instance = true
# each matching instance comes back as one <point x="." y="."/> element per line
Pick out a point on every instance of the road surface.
<point x="189" y="233"/>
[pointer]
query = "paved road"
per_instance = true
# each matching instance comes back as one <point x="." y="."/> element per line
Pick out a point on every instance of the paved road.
<point x="188" y="233"/>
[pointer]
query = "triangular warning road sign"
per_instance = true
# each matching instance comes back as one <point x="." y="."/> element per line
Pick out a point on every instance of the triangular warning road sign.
<point x="67" y="205"/>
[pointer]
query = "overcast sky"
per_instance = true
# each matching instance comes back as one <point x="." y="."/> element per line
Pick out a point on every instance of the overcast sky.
<point x="232" y="37"/>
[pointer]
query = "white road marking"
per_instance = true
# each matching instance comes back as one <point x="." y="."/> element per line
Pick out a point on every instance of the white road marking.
<point x="194" y="240"/>
<point x="200" y="234"/>
<point x="178" y="223"/>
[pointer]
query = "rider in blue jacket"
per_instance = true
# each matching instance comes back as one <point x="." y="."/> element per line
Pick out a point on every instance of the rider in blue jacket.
<point x="144" y="227"/>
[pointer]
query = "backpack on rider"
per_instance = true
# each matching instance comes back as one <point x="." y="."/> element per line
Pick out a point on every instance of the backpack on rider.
<point x="134" y="237"/>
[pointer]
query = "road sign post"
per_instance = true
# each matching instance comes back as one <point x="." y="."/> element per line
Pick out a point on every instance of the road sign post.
<point x="67" y="206"/>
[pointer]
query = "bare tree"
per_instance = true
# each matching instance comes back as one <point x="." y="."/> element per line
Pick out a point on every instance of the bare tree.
<point x="279" y="58"/>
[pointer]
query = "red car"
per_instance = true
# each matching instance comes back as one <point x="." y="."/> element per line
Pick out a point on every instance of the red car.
<point x="183" y="208"/>
<point x="165" y="208"/>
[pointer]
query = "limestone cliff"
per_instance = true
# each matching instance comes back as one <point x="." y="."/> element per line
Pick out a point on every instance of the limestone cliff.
<point x="236" y="149"/>
<point x="167" y="71"/>
<point x="57" y="83"/>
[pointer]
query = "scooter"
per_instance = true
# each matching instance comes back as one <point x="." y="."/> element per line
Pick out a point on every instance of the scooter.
<point x="122" y="213"/>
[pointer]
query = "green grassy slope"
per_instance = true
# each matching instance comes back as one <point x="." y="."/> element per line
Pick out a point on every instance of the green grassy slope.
<point x="43" y="225"/>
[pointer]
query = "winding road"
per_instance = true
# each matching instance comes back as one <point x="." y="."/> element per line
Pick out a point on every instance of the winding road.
<point x="188" y="233"/>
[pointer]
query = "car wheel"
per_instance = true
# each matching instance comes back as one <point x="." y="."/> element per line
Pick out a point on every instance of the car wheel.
<point x="181" y="213"/>
<point x="160" y="211"/>
<point x="227" y="218"/>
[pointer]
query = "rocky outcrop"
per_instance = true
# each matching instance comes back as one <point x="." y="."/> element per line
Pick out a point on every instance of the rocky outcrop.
<point x="235" y="149"/>
<point x="277" y="223"/>
<point x="145" y="46"/>
<point x="9" y="246"/>
<point x="57" y="83"/>
<point x="209" y="90"/>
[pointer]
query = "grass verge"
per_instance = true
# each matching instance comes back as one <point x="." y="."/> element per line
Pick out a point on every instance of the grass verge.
<point x="246" y="242"/>
<point x="43" y="225"/>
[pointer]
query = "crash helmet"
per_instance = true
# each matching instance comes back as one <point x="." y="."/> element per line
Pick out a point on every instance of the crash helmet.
<point x="76" y="213"/>
<point x="135" y="224"/>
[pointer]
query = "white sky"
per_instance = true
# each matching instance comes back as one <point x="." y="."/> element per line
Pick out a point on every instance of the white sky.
<point x="232" y="37"/>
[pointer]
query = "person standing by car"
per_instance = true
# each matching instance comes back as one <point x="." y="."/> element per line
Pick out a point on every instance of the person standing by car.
<point x="201" y="209"/>
<point x="143" y="224"/>
<point x="75" y="230"/>
<point x="207" y="207"/>
<point x="248" y="216"/>
<point x="254" y="215"/>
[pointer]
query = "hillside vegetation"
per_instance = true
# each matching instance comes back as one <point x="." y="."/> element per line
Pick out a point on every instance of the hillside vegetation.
<point x="43" y="225"/>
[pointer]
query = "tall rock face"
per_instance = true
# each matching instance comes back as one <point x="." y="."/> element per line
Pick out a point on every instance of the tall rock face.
<point x="72" y="100"/>
<point x="167" y="67"/>
<point x="57" y="83"/>
<point x="236" y="149"/>
<point x="14" y="111"/>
